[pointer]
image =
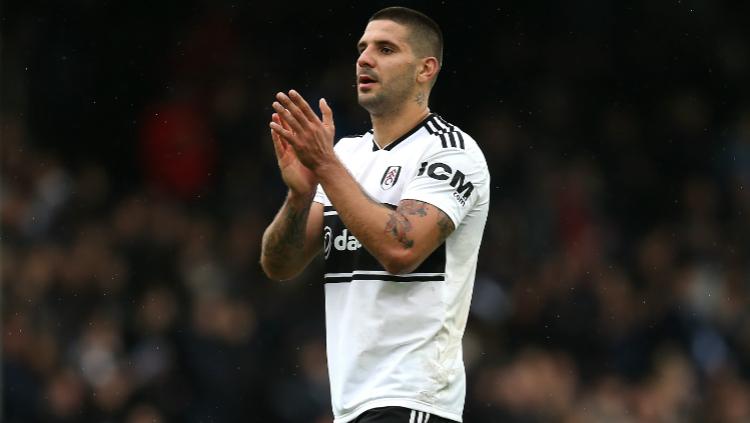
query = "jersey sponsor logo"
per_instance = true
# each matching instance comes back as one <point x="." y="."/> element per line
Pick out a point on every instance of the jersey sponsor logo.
<point x="342" y="242"/>
<point x="390" y="176"/>
<point x="327" y="241"/>
<point x="443" y="172"/>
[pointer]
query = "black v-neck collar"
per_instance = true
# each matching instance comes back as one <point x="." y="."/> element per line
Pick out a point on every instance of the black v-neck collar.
<point x="409" y="133"/>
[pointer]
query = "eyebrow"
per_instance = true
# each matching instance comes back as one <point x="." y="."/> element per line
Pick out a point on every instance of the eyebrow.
<point x="379" y="43"/>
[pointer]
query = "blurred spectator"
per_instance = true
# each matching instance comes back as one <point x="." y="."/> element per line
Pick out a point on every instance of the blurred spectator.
<point x="179" y="153"/>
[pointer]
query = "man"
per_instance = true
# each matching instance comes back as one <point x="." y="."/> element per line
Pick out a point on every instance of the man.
<point x="401" y="211"/>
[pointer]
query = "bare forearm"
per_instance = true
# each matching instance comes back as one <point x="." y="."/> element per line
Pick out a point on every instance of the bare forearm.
<point x="283" y="248"/>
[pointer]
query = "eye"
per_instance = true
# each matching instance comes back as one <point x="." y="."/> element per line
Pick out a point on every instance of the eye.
<point x="386" y="50"/>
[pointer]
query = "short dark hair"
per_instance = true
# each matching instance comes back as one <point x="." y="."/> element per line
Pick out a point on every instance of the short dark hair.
<point x="427" y="38"/>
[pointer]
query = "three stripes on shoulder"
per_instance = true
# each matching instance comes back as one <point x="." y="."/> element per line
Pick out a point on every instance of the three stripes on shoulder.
<point x="449" y="135"/>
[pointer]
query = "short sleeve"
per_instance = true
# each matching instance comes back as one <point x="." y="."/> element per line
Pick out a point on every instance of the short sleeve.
<point x="450" y="179"/>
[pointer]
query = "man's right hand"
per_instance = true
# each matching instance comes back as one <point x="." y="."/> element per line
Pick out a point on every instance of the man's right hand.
<point x="300" y="180"/>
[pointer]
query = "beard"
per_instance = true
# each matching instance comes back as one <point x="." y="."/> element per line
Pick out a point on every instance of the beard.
<point x="388" y="98"/>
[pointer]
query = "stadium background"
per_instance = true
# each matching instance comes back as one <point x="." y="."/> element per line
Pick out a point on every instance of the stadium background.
<point x="138" y="176"/>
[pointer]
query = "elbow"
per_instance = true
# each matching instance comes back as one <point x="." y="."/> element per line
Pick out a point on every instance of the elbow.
<point x="400" y="261"/>
<point x="274" y="273"/>
<point x="277" y="276"/>
<point x="271" y="273"/>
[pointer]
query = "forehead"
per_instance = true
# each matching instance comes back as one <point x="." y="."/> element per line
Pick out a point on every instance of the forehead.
<point x="385" y="30"/>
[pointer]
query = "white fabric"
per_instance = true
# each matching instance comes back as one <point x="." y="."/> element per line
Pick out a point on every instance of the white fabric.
<point x="396" y="340"/>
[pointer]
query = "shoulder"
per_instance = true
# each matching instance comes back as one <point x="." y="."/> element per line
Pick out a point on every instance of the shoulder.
<point x="447" y="139"/>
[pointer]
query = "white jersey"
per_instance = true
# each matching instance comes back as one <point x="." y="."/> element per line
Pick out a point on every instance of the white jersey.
<point x="395" y="340"/>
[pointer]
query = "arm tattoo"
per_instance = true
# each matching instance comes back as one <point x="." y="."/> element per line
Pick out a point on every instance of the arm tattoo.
<point x="445" y="225"/>
<point x="398" y="224"/>
<point x="291" y="236"/>
<point x="413" y="207"/>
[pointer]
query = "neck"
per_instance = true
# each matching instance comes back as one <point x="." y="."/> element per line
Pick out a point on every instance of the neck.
<point x="388" y="127"/>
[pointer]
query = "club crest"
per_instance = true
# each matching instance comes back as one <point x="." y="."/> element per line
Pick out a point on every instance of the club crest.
<point x="390" y="177"/>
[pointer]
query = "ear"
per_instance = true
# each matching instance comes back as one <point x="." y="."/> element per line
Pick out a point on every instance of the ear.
<point x="427" y="70"/>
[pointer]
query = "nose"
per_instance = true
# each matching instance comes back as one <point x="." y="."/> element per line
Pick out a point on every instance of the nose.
<point x="365" y="59"/>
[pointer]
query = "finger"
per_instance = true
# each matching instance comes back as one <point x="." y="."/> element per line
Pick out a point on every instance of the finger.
<point x="277" y="147"/>
<point x="276" y="118"/>
<point x="283" y="123"/>
<point x="287" y="117"/>
<point x="285" y="135"/>
<point x="293" y="109"/>
<point x="286" y="126"/>
<point x="327" y="112"/>
<point x="304" y="106"/>
<point x="278" y="143"/>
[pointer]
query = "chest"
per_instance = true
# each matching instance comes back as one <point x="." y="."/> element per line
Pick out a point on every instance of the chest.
<point x="384" y="174"/>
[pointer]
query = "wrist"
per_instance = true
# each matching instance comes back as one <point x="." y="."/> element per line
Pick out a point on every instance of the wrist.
<point x="299" y="200"/>
<point x="329" y="170"/>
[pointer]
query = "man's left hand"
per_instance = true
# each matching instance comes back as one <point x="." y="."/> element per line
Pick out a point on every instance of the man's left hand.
<point x="310" y="137"/>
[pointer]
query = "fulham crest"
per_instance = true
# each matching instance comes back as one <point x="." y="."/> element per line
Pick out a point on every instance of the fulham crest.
<point x="390" y="177"/>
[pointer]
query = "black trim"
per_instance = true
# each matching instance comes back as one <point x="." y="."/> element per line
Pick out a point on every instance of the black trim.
<point x="437" y="127"/>
<point x="409" y="133"/>
<point x="347" y="261"/>
<point x="387" y="278"/>
<point x="389" y="205"/>
<point x="449" y="135"/>
<point x="450" y="126"/>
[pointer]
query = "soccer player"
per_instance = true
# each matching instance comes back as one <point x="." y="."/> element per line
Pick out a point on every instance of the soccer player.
<point x="400" y="212"/>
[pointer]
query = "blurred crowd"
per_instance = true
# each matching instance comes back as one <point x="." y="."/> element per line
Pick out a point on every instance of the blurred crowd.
<point x="137" y="177"/>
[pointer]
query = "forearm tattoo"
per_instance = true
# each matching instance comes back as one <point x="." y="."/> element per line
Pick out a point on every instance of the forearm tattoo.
<point x="289" y="237"/>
